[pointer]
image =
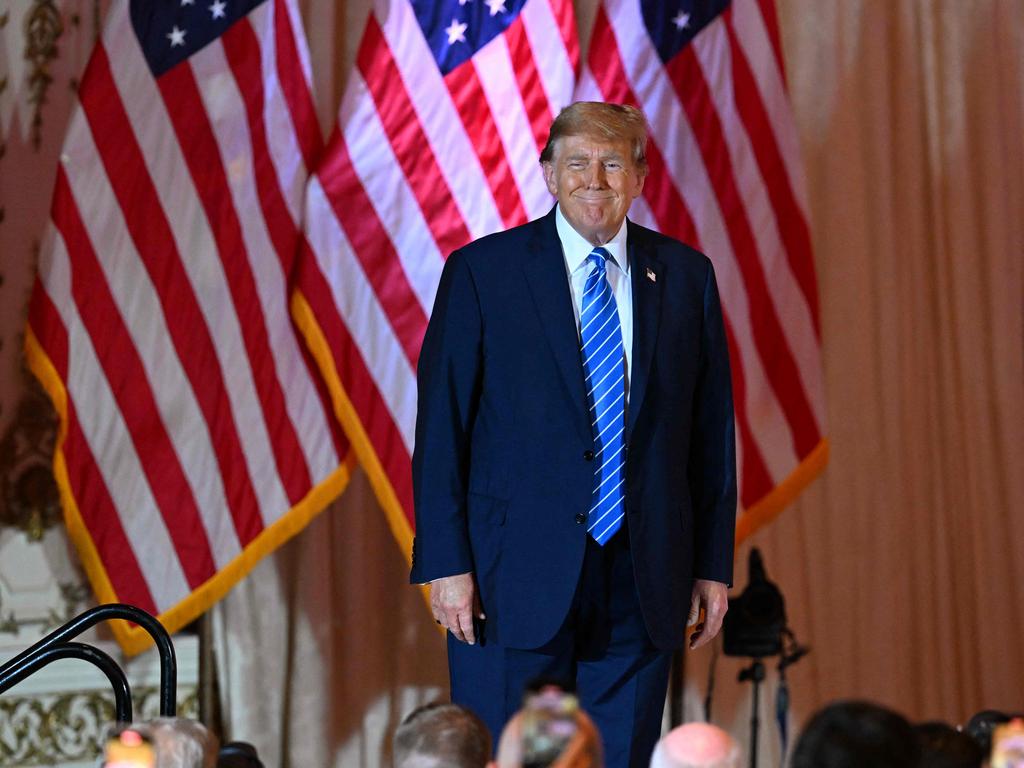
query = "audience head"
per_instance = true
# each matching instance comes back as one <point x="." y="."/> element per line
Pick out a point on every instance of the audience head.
<point x="853" y="734"/>
<point x="442" y="735"/>
<point x="942" y="746"/>
<point x="182" y="743"/>
<point x="550" y="730"/>
<point x="238" y="754"/>
<point x="696" y="745"/>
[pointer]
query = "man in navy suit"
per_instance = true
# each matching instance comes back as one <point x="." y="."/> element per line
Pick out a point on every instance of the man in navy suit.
<point x="574" y="469"/>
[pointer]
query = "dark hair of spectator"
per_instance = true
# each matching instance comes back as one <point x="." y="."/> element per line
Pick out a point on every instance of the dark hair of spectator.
<point x="855" y="734"/>
<point x="443" y="735"/>
<point x="238" y="754"/>
<point x="942" y="746"/>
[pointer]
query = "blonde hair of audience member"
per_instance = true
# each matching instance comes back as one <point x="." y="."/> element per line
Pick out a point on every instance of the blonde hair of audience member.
<point x="582" y="751"/>
<point x="696" y="745"/>
<point x="182" y="743"/>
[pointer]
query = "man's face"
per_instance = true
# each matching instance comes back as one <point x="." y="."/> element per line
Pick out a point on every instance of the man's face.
<point x="595" y="181"/>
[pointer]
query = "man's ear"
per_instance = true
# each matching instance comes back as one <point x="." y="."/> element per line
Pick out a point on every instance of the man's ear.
<point x="549" y="177"/>
<point x="639" y="188"/>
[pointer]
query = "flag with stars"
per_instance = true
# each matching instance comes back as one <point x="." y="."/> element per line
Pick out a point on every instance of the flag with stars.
<point x="195" y="432"/>
<point x="725" y="177"/>
<point x="436" y="144"/>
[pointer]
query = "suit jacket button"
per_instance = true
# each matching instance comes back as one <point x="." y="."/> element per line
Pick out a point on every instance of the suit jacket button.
<point x="581" y="517"/>
<point x="588" y="455"/>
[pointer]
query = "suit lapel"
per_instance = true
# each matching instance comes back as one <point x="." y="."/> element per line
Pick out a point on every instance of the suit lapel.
<point x="648" y="279"/>
<point x="545" y="274"/>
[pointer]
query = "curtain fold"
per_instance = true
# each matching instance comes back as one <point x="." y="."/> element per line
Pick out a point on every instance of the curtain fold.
<point x="324" y="647"/>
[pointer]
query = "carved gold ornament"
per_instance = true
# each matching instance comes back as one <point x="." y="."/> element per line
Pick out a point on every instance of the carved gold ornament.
<point x="28" y="493"/>
<point x="43" y="28"/>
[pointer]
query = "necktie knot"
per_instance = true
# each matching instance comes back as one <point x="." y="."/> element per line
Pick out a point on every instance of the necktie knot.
<point x="599" y="256"/>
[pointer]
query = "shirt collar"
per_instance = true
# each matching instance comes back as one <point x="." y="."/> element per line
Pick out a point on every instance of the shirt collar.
<point x="576" y="248"/>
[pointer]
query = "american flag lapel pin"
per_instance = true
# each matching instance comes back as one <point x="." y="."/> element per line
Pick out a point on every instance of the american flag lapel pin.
<point x="651" y="276"/>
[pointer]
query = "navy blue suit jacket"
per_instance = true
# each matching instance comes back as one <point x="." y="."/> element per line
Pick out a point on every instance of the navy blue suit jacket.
<point x="501" y="473"/>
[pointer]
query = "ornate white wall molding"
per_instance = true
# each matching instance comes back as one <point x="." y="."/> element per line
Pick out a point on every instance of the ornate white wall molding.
<point x="58" y="717"/>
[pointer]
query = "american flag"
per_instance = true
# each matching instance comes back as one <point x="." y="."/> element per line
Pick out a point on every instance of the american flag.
<point x="437" y="142"/>
<point x="194" y="433"/>
<point x="725" y="177"/>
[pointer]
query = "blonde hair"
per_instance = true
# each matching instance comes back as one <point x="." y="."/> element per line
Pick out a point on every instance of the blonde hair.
<point x="600" y="120"/>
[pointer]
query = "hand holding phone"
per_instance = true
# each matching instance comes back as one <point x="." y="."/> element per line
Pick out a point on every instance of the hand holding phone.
<point x="1008" y="745"/>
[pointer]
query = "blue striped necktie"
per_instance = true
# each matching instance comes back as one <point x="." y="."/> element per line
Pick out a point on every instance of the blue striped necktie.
<point x="604" y="370"/>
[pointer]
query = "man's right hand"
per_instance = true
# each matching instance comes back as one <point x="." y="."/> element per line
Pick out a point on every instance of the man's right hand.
<point x="454" y="602"/>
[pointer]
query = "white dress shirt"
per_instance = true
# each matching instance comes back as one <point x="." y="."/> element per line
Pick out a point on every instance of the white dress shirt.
<point x="575" y="249"/>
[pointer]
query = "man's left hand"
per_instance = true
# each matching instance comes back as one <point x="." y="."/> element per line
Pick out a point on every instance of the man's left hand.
<point x="711" y="598"/>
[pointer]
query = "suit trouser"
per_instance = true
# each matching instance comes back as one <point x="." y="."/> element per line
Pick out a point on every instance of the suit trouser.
<point x="602" y="649"/>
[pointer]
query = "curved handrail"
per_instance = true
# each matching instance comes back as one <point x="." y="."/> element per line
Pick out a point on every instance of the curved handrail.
<point x="43" y="656"/>
<point x="92" y="617"/>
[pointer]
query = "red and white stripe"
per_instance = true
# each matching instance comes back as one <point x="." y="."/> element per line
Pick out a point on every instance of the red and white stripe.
<point x="194" y="420"/>
<point x="458" y="160"/>
<point x="725" y="177"/>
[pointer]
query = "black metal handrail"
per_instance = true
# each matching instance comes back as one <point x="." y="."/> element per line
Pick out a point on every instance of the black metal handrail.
<point x="63" y="635"/>
<point x="109" y="667"/>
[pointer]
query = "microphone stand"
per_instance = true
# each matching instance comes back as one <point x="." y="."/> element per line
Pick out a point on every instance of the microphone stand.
<point x="755" y="674"/>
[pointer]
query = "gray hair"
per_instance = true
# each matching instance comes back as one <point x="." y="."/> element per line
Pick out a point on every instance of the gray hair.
<point x="181" y="743"/>
<point x="442" y="735"/>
